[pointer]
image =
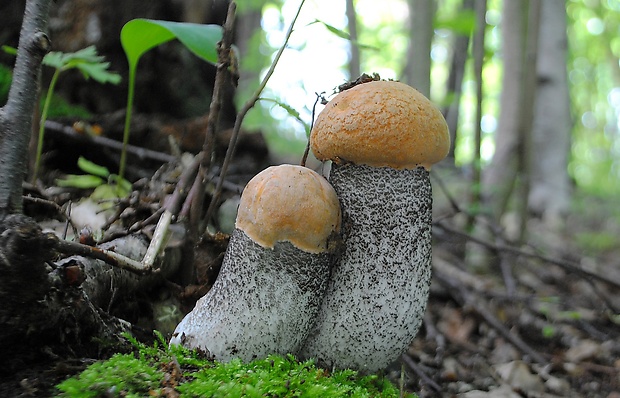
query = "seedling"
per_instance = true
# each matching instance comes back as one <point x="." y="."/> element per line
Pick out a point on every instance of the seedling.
<point x="106" y="184"/>
<point x="86" y="61"/>
<point x="141" y="35"/>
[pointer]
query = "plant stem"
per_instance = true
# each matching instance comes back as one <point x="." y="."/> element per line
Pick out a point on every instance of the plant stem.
<point x="130" y="95"/>
<point x="46" y="106"/>
<point x="249" y="104"/>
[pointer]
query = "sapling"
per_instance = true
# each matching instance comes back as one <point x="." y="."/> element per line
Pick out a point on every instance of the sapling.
<point x="141" y="35"/>
<point x="86" y="61"/>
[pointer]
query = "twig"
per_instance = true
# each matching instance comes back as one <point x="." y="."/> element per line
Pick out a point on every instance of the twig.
<point x="421" y="374"/>
<point x="141" y="153"/>
<point x="467" y="298"/>
<point x="108" y="256"/>
<point x="571" y="267"/>
<point x="224" y="50"/>
<point x="171" y="210"/>
<point x="241" y="115"/>
<point x="307" y="150"/>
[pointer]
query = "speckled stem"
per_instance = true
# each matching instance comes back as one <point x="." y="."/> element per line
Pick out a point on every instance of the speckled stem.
<point x="263" y="302"/>
<point x="377" y="293"/>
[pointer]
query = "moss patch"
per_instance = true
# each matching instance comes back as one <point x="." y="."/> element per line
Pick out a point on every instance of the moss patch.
<point x="161" y="371"/>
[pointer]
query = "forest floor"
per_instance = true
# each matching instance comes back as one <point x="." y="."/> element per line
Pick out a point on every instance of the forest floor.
<point x="535" y="320"/>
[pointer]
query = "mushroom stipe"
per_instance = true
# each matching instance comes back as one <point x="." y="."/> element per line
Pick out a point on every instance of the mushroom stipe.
<point x="378" y="290"/>
<point x="262" y="303"/>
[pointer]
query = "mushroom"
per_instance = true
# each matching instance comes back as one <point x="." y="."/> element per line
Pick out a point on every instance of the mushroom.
<point x="274" y="272"/>
<point x="382" y="138"/>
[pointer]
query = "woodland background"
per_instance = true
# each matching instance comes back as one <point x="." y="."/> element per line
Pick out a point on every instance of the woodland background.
<point x="527" y="222"/>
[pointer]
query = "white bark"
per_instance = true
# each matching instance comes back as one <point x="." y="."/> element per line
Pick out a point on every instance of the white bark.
<point x="417" y="71"/>
<point x="550" y="190"/>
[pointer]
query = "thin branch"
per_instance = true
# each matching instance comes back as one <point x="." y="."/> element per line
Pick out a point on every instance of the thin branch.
<point x="418" y="371"/>
<point x="141" y="153"/>
<point x="468" y="298"/>
<point x="569" y="266"/>
<point x="241" y="115"/>
<point x="110" y="257"/>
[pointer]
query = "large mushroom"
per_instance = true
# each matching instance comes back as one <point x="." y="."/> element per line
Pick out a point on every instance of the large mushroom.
<point x="382" y="138"/>
<point x="275" y="269"/>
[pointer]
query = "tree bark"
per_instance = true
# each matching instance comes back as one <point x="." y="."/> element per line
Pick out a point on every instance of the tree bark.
<point x="355" y="68"/>
<point x="455" y="81"/>
<point x="417" y="71"/>
<point x="499" y="177"/>
<point x="16" y="116"/>
<point x="550" y="185"/>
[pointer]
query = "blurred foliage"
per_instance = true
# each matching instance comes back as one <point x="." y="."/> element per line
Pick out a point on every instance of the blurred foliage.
<point x="6" y="76"/>
<point x="593" y="67"/>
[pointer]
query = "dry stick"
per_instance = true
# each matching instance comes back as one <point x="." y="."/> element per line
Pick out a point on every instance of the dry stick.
<point x="571" y="267"/>
<point x="221" y="74"/>
<point x="108" y="256"/>
<point x="241" y="115"/>
<point x="467" y="299"/>
<point x="307" y="150"/>
<point x="141" y="153"/>
<point x="418" y="370"/>
<point x="171" y="210"/>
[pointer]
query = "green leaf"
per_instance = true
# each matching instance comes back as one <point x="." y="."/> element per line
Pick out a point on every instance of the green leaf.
<point x="291" y="111"/>
<point x="80" y="181"/>
<point x="9" y="50"/>
<point x="140" y="35"/>
<point x="462" y="24"/>
<point x="123" y="185"/>
<point x="99" y="72"/>
<point x="344" y="35"/>
<point x="92" y="168"/>
<point x="87" y="61"/>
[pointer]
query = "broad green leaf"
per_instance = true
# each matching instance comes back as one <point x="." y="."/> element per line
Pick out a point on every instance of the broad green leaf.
<point x="140" y="35"/>
<point x="92" y="168"/>
<point x="84" y="181"/>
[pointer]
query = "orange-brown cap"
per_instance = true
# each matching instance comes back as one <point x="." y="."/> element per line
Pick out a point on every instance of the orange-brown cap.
<point x="289" y="203"/>
<point x="381" y="123"/>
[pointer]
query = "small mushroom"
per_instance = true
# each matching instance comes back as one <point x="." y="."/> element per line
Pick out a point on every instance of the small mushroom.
<point x="382" y="137"/>
<point x="275" y="269"/>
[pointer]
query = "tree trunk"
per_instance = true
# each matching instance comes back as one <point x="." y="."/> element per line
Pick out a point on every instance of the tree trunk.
<point x="455" y="81"/>
<point x="499" y="177"/>
<point x="355" y="68"/>
<point x="417" y="71"/>
<point x="550" y="185"/>
<point x="16" y="115"/>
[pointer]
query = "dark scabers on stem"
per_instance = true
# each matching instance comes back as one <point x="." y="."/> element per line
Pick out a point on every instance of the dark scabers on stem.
<point x="382" y="138"/>
<point x="275" y="269"/>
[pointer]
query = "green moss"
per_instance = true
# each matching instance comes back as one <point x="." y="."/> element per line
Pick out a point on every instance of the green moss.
<point x="597" y="242"/>
<point x="152" y="370"/>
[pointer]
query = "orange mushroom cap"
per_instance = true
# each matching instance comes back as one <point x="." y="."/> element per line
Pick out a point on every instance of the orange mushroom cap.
<point x="289" y="203"/>
<point x="381" y="123"/>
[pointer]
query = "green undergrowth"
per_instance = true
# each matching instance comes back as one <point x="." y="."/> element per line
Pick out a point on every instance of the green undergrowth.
<point x="160" y="371"/>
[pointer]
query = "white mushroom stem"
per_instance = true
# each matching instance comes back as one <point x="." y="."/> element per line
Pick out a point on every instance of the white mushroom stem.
<point x="275" y="270"/>
<point x="378" y="291"/>
<point x="263" y="302"/>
